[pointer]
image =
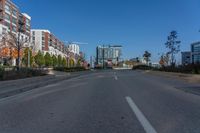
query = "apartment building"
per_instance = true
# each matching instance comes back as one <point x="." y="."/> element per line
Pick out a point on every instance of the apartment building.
<point x="15" y="22"/>
<point x="12" y="20"/>
<point x="45" y="41"/>
<point x="74" y="48"/>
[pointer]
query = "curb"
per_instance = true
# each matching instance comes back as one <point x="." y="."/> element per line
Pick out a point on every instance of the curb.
<point x="35" y="86"/>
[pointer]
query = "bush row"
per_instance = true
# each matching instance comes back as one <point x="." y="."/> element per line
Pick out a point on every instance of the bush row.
<point x="12" y="73"/>
<point x="189" y="69"/>
<point x="72" y="69"/>
<point x="142" y="67"/>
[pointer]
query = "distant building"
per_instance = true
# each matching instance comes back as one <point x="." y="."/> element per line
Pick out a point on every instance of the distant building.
<point x="186" y="58"/>
<point x="155" y="65"/>
<point x="108" y="55"/>
<point x="143" y="61"/>
<point x="45" y="41"/>
<point x="92" y="61"/>
<point x="195" y="48"/>
<point x="135" y="59"/>
<point x="74" y="48"/>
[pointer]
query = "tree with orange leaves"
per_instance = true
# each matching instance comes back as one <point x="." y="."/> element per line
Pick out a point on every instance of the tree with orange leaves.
<point x="12" y="47"/>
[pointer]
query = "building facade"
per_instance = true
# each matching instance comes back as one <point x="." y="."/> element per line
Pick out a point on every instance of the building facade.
<point x="195" y="48"/>
<point x="45" y="41"/>
<point x="13" y="21"/>
<point x="74" y="48"/>
<point x="16" y="24"/>
<point x="186" y="58"/>
<point x="108" y="55"/>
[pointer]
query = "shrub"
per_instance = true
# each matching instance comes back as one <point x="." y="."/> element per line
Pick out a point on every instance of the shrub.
<point x="67" y="69"/>
<point x="59" y="60"/>
<point x="1" y="73"/>
<point x="188" y="69"/>
<point x="48" y="60"/>
<point x="13" y="74"/>
<point x="39" y="59"/>
<point x="64" y="62"/>
<point x="55" y="61"/>
<point x="142" y="67"/>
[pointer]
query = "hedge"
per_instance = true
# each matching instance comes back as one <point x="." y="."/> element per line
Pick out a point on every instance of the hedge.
<point x="188" y="69"/>
<point x="12" y="73"/>
<point x="72" y="69"/>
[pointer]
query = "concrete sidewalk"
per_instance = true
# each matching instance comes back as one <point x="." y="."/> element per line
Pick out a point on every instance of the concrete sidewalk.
<point x="13" y="87"/>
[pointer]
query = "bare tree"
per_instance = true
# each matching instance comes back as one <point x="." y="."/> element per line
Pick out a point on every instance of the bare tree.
<point x="15" y="42"/>
<point x="173" y="45"/>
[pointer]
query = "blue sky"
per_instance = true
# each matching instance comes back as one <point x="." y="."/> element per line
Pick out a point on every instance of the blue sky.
<point x="138" y="25"/>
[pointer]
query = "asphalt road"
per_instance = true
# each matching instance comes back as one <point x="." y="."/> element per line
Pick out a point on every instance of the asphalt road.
<point x="104" y="102"/>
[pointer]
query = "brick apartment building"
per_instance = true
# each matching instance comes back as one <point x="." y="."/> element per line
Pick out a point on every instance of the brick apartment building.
<point x="45" y="41"/>
<point x="12" y="20"/>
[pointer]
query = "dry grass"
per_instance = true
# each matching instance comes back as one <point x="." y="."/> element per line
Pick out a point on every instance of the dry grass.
<point x="191" y="78"/>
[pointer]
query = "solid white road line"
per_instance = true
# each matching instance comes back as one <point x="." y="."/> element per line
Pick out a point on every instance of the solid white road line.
<point x="145" y="123"/>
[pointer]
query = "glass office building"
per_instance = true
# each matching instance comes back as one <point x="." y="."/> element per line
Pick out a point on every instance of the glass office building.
<point x="195" y="47"/>
<point x="108" y="55"/>
<point x="186" y="58"/>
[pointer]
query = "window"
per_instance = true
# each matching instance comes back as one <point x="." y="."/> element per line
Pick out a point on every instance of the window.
<point x="4" y="31"/>
<point x="7" y="25"/>
<point x="7" y="8"/>
<point x="27" y="22"/>
<point x="14" y="20"/>
<point x="14" y="29"/>
<point x="7" y="17"/>
<point x="14" y="12"/>
<point x="22" y="37"/>
<point x="27" y="28"/>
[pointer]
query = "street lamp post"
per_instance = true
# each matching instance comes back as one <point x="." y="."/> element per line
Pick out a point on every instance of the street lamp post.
<point x="29" y="58"/>
<point x="18" y="49"/>
<point x="103" y="57"/>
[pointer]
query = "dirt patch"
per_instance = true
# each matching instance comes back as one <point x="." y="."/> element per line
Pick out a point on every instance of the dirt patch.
<point x="192" y="78"/>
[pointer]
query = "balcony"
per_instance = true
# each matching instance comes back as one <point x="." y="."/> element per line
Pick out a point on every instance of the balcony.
<point x="1" y="7"/>
<point x="1" y="17"/>
<point x="21" y="22"/>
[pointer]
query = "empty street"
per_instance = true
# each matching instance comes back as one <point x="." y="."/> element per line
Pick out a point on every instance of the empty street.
<point x="104" y="102"/>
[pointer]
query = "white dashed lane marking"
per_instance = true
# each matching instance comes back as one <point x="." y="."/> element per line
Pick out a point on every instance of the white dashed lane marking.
<point x="140" y="116"/>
